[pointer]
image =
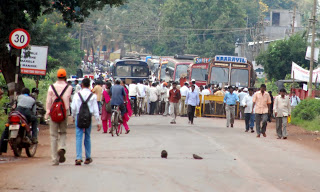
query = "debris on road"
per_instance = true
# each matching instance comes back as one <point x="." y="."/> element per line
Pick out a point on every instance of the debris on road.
<point x="197" y="156"/>
<point x="164" y="154"/>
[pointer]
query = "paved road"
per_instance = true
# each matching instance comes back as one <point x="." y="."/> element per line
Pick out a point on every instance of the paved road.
<point x="233" y="161"/>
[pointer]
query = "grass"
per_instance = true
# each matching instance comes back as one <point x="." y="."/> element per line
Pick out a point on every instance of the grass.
<point x="310" y="125"/>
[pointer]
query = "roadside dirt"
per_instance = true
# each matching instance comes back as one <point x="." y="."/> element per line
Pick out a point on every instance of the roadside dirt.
<point x="299" y="135"/>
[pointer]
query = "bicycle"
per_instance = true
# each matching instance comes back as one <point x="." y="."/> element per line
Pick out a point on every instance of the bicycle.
<point x="115" y="120"/>
<point x="140" y="104"/>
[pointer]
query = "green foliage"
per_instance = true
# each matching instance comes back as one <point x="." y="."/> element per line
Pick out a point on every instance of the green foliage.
<point x="307" y="110"/>
<point x="3" y="116"/>
<point x="310" y="125"/>
<point x="277" y="59"/>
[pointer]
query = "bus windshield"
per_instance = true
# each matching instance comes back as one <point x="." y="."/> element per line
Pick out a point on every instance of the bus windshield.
<point x="181" y="70"/>
<point x="199" y="74"/>
<point x="139" y="71"/>
<point x="163" y="70"/>
<point x="219" y="75"/>
<point x="240" y="77"/>
<point x="123" y="71"/>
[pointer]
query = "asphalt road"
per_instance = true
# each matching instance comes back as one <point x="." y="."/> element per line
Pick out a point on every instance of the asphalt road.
<point x="233" y="161"/>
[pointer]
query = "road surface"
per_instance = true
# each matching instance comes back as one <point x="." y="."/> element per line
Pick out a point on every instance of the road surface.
<point x="233" y="161"/>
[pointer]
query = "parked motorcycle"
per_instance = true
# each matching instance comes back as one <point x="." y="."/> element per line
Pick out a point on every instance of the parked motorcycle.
<point x="18" y="132"/>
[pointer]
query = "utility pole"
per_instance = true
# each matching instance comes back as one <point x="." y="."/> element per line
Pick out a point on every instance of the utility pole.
<point x="293" y="18"/>
<point x="313" y="20"/>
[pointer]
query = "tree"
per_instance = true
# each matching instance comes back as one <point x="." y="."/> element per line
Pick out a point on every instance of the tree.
<point x="24" y="14"/>
<point x="206" y="27"/>
<point x="277" y="59"/>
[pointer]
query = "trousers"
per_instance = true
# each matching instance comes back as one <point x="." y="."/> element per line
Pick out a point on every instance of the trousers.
<point x="249" y="120"/>
<point x="174" y="109"/>
<point x="230" y="113"/>
<point x="281" y="124"/>
<point x="87" y="141"/>
<point x="191" y="110"/>
<point x="183" y="106"/>
<point x="58" y="135"/>
<point x="261" y="118"/>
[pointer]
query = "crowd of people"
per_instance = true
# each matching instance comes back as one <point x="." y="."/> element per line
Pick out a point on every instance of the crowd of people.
<point x="256" y="107"/>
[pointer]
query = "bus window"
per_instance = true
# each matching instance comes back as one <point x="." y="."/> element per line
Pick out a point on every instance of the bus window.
<point x="219" y="75"/>
<point x="181" y="70"/>
<point x="140" y="71"/>
<point x="199" y="74"/>
<point x="240" y="77"/>
<point x="123" y="71"/>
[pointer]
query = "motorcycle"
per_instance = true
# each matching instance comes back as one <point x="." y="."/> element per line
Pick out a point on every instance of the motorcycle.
<point x="18" y="129"/>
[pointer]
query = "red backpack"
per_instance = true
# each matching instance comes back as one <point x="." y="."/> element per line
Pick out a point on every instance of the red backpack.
<point x="58" y="111"/>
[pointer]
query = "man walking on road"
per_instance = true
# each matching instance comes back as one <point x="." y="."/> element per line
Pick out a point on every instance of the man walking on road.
<point x="230" y="100"/>
<point x="93" y="108"/>
<point x="241" y="95"/>
<point x="261" y="104"/>
<point x="58" y="131"/>
<point x="249" y="116"/>
<point x="174" y="98"/>
<point x="192" y="100"/>
<point x="282" y="109"/>
<point x="183" y="90"/>
<point x="97" y="90"/>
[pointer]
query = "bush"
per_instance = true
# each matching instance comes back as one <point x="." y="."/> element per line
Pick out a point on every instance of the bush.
<point x="308" y="109"/>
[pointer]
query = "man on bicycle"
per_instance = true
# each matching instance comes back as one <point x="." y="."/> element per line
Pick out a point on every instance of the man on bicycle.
<point x="118" y="97"/>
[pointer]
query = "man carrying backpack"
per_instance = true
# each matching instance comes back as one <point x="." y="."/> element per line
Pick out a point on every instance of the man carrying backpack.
<point x="84" y="104"/>
<point x="57" y="104"/>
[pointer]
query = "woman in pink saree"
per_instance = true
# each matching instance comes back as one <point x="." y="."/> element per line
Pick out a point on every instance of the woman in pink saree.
<point x="128" y="113"/>
<point x="106" y="115"/>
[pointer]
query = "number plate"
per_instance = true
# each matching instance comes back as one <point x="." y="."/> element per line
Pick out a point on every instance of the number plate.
<point x="14" y="127"/>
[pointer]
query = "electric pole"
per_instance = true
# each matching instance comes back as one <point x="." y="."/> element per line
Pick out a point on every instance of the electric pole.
<point x="293" y="19"/>
<point x="313" y="20"/>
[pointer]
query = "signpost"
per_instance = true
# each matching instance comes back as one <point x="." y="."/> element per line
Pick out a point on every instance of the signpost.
<point x="90" y="58"/>
<point x="19" y="39"/>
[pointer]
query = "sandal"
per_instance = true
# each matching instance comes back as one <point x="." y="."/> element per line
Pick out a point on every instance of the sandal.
<point x="78" y="162"/>
<point x="88" y="161"/>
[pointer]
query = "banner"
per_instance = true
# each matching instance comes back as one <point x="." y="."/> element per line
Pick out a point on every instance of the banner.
<point x="299" y="73"/>
<point x="36" y="63"/>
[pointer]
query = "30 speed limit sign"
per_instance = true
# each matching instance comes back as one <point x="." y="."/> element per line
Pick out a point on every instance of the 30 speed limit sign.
<point x="19" y="38"/>
<point x="90" y="58"/>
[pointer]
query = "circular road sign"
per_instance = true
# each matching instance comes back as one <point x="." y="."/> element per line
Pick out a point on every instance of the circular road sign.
<point x="19" y="38"/>
<point x="90" y="58"/>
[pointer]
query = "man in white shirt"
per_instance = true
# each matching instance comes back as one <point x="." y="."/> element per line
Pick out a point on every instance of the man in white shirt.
<point x="166" y="99"/>
<point x="241" y="95"/>
<point x="163" y="97"/>
<point x="147" y="100"/>
<point x="295" y="100"/>
<point x="282" y="109"/>
<point x="183" y="91"/>
<point x="141" y="95"/>
<point x="205" y="92"/>
<point x="78" y="87"/>
<point x="192" y="100"/>
<point x="94" y="109"/>
<point x="247" y="103"/>
<point x="196" y="88"/>
<point x="154" y="94"/>
<point x="133" y="93"/>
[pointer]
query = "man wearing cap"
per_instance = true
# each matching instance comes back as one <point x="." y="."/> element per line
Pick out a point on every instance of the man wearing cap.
<point x="58" y="131"/>
<point x="241" y="96"/>
<point x="174" y="98"/>
<point x="196" y="88"/>
<point x="230" y="100"/>
<point x="183" y="90"/>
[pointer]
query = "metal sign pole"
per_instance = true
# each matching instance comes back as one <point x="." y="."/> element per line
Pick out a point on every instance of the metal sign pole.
<point x="16" y="77"/>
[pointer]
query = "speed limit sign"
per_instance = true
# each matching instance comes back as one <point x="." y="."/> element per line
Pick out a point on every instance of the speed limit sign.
<point x="90" y="58"/>
<point x="19" y="38"/>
